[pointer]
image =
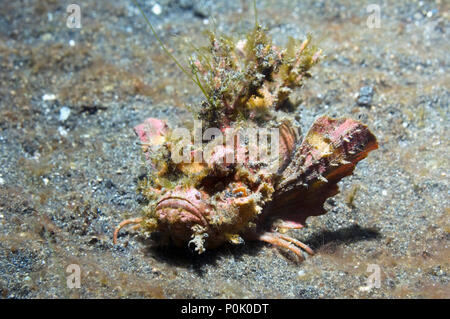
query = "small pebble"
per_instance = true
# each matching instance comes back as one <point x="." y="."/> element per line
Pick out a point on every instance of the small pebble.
<point x="156" y="9"/>
<point x="72" y="43"/>
<point x="2" y="181"/>
<point x="48" y="97"/>
<point x="202" y="9"/>
<point x="365" y="288"/>
<point x="365" y="96"/>
<point x="46" y="37"/>
<point x="109" y="184"/>
<point x="93" y="240"/>
<point x="64" y="113"/>
<point x="62" y="131"/>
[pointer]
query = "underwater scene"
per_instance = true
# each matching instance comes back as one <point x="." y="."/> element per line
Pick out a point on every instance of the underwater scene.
<point x="181" y="149"/>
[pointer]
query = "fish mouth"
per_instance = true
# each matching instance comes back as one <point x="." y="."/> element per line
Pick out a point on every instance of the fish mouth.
<point x="183" y="204"/>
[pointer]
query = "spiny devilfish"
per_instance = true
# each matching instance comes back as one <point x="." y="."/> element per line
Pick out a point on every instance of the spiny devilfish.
<point x="205" y="204"/>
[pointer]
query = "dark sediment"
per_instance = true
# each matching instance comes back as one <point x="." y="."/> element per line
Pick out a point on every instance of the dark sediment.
<point x="66" y="180"/>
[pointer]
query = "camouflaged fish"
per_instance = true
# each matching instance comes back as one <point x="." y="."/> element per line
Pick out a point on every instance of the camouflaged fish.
<point x="205" y="202"/>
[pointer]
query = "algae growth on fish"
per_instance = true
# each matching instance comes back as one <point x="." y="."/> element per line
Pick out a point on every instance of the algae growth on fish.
<point x="245" y="172"/>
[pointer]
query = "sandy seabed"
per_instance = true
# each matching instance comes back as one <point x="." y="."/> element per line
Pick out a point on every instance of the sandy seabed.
<point x="70" y="162"/>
